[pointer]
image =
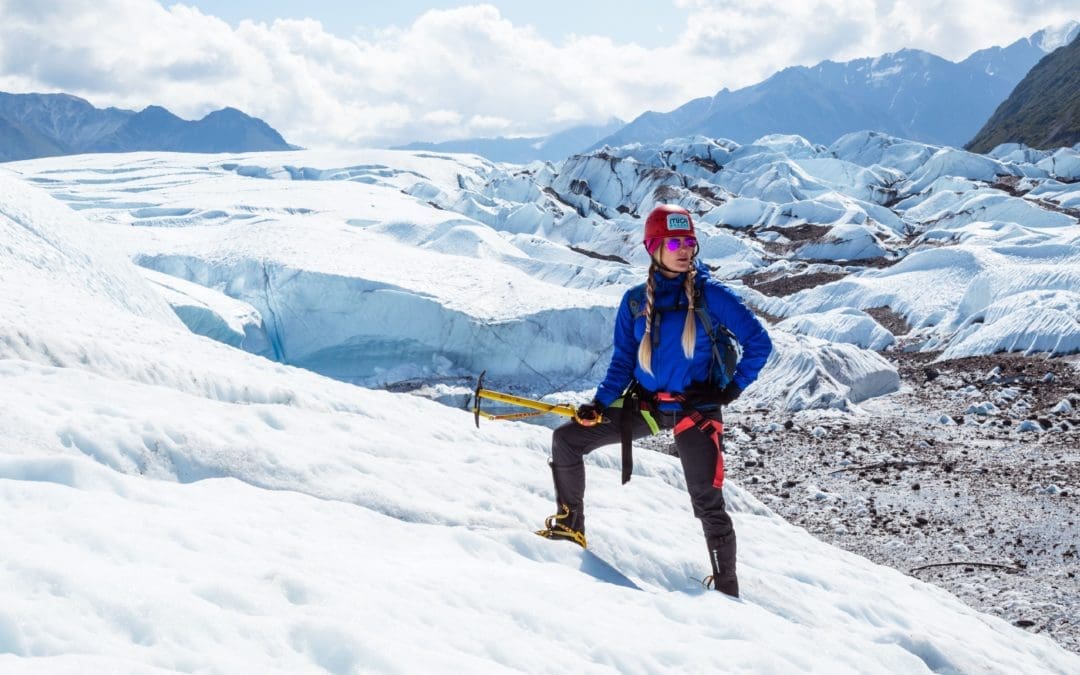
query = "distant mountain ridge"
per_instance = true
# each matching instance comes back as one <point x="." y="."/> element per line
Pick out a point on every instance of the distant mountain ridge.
<point x="910" y="93"/>
<point x="44" y="125"/>
<point x="554" y="147"/>
<point x="1043" y="111"/>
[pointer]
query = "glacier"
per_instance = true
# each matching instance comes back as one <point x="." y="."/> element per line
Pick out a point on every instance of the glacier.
<point x="181" y="504"/>
<point x="386" y="267"/>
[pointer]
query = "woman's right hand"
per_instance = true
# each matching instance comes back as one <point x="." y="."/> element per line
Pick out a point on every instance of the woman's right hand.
<point x="589" y="414"/>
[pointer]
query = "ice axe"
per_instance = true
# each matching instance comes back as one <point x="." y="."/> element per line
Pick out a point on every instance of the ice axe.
<point x="536" y="407"/>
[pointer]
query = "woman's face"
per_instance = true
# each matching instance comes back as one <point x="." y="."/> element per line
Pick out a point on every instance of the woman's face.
<point x="680" y="259"/>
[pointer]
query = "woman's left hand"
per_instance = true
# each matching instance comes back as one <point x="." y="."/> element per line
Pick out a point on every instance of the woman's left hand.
<point x="729" y="393"/>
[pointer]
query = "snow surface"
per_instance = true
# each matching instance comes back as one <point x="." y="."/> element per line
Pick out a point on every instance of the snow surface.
<point x="842" y="325"/>
<point x="182" y="505"/>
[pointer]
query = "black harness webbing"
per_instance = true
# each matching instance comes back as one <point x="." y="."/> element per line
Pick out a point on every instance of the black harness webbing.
<point x="631" y="407"/>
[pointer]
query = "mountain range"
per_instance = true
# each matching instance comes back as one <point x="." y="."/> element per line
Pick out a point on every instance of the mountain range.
<point x="910" y="94"/>
<point x="1043" y="111"/>
<point x="43" y="125"/>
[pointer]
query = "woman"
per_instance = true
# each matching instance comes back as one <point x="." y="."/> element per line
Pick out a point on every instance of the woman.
<point x="661" y="374"/>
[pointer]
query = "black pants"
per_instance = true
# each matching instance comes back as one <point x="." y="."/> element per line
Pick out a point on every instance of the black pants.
<point x="571" y="441"/>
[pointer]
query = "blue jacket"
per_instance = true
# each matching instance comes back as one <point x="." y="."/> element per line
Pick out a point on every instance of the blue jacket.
<point x="672" y="371"/>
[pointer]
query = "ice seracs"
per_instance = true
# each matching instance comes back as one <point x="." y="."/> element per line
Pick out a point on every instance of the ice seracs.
<point x="458" y="264"/>
<point x="213" y="314"/>
<point x="845" y="324"/>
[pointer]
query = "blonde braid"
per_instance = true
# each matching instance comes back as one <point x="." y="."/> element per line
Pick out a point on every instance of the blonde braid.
<point x="689" y="333"/>
<point x="644" y="353"/>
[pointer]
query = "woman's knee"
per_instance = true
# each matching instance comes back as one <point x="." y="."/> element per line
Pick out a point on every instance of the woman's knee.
<point x="566" y="444"/>
<point x="707" y="500"/>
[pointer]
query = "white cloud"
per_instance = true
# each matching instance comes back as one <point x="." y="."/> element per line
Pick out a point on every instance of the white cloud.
<point x="567" y="110"/>
<point x="443" y="117"/>
<point x="810" y="31"/>
<point x="461" y="72"/>
<point x="489" y="123"/>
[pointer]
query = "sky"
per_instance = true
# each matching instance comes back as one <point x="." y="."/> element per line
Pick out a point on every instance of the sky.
<point x="331" y="75"/>
<point x="649" y="24"/>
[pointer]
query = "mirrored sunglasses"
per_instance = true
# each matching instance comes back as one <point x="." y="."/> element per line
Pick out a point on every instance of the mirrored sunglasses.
<point x="675" y="243"/>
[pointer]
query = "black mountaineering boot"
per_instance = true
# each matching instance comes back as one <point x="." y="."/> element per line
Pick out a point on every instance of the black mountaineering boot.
<point x="569" y="520"/>
<point x="722" y="557"/>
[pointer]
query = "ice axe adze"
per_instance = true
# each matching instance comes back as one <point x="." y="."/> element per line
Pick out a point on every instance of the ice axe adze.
<point x="536" y="407"/>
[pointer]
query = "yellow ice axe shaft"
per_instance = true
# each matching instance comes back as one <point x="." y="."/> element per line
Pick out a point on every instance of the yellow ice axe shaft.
<point x="557" y="408"/>
<point x="540" y="407"/>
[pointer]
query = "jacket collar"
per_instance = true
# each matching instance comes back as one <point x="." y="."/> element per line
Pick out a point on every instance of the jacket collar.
<point x="665" y="283"/>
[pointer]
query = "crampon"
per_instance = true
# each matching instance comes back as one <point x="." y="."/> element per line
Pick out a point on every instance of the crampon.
<point x="555" y="527"/>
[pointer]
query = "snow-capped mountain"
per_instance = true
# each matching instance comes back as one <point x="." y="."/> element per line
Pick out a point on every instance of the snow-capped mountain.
<point x="179" y="504"/>
<point x="43" y="125"/>
<point x="1044" y="109"/>
<point x="52" y="124"/>
<point x="550" y="148"/>
<point x="1016" y="60"/>
<point x="910" y="93"/>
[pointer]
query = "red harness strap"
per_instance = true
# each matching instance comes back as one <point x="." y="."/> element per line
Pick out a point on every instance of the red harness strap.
<point x="714" y="429"/>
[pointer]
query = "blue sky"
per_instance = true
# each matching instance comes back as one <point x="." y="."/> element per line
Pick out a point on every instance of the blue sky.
<point x="341" y="74"/>
<point x="648" y="23"/>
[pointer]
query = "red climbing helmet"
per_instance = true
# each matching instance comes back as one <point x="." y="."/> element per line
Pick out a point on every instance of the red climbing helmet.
<point x="667" y="220"/>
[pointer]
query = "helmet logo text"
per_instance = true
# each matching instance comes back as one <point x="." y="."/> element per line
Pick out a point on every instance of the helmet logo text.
<point x="677" y="221"/>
